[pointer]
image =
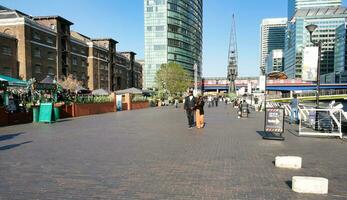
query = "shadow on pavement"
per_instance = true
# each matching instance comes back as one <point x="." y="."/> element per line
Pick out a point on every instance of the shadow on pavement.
<point x="10" y="136"/>
<point x="63" y="120"/>
<point x="11" y="146"/>
<point x="289" y="183"/>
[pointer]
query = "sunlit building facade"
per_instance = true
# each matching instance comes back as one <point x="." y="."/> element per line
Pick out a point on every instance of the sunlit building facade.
<point x="173" y="33"/>
<point x="294" y="5"/>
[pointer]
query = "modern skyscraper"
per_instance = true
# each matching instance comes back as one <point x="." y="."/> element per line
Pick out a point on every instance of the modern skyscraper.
<point x="340" y="63"/>
<point x="272" y="37"/>
<point x="173" y="33"/>
<point x="294" y="5"/>
<point x="297" y="38"/>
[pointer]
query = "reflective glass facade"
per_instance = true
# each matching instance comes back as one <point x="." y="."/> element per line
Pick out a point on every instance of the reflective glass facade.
<point x="294" y="5"/>
<point x="272" y="37"/>
<point x="173" y="33"/>
<point x="341" y="54"/>
<point x="297" y="38"/>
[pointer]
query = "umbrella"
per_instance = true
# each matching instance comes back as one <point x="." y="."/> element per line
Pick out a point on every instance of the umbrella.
<point x="100" y="92"/>
<point x="129" y="90"/>
<point x="48" y="80"/>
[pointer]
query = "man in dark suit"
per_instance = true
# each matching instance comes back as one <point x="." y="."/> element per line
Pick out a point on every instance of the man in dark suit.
<point x="189" y="106"/>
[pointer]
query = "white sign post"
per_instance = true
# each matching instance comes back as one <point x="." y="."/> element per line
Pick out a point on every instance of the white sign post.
<point x="309" y="64"/>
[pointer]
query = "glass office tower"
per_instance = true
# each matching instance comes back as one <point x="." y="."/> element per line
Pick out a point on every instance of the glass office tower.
<point x="294" y="5"/>
<point x="272" y="36"/>
<point x="173" y="33"/>
<point x="341" y="54"/>
<point x="297" y="38"/>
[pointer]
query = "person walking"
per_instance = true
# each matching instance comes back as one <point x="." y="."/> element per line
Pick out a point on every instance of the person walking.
<point x="189" y="106"/>
<point x="216" y="100"/>
<point x="199" y="113"/>
<point x="294" y="105"/>
<point x="176" y="103"/>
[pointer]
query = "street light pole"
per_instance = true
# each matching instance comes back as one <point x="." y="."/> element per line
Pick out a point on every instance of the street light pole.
<point x="311" y="28"/>
<point x="195" y="79"/>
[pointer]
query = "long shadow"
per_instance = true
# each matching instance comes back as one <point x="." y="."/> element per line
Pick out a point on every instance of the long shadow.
<point x="270" y="136"/>
<point x="11" y="146"/>
<point x="10" y="136"/>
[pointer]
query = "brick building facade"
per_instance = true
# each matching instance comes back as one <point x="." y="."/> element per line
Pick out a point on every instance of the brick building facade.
<point x="8" y="55"/>
<point x="46" y="46"/>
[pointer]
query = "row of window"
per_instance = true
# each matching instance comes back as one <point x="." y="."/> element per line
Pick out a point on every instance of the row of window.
<point x="48" y="39"/>
<point x="6" y="50"/>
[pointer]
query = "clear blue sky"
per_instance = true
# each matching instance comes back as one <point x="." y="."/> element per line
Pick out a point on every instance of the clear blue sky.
<point x="123" y="21"/>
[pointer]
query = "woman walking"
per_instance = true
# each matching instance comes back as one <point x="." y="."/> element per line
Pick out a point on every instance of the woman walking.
<point x="199" y="115"/>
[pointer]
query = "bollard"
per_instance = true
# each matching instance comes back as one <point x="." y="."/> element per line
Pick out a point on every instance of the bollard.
<point x="310" y="185"/>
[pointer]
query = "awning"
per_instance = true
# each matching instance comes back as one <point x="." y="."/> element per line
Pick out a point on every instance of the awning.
<point x="100" y="92"/>
<point x="13" y="81"/>
<point x="130" y="91"/>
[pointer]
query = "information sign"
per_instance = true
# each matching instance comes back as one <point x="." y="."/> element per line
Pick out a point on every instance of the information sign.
<point x="274" y="120"/>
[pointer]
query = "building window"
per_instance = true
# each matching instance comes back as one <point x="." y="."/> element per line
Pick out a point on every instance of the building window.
<point x="49" y="40"/>
<point x="149" y="9"/>
<point x="52" y="26"/>
<point x="7" y="71"/>
<point x="50" y="71"/>
<point x="6" y="50"/>
<point x="50" y="55"/>
<point x="74" y="74"/>
<point x="83" y="51"/>
<point x="149" y="28"/>
<point x="159" y="28"/>
<point x="37" y="53"/>
<point x="84" y="63"/>
<point x="83" y="76"/>
<point x="37" y="69"/>
<point x="74" y="61"/>
<point x="36" y="36"/>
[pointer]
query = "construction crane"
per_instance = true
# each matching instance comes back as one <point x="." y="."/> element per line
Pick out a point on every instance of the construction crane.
<point x="232" y="57"/>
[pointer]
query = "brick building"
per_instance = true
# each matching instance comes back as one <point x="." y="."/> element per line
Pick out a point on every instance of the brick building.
<point x="8" y="56"/>
<point x="47" y="46"/>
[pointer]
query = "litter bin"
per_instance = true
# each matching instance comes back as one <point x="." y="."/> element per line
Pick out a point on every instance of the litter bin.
<point x="36" y="114"/>
<point x="56" y="111"/>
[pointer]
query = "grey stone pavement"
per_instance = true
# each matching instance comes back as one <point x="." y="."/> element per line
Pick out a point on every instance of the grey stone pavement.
<point x="150" y="154"/>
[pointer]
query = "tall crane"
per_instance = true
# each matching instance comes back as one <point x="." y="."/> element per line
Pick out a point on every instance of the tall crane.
<point x="232" y="57"/>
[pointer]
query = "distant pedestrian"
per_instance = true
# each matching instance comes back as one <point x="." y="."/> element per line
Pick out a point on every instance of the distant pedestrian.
<point x="294" y="105"/>
<point x="216" y="101"/>
<point x="176" y="103"/>
<point x="189" y="106"/>
<point x="199" y="113"/>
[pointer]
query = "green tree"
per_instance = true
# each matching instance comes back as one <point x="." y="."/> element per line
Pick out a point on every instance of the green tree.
<point x="171" y="80"/>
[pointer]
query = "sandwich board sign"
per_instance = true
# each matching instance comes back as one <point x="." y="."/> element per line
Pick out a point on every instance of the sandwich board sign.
<point x="274" y="120"/>
<point x="46" y="113"/>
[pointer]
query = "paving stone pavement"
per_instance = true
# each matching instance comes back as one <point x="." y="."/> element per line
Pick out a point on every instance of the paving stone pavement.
<point x="150" y="154"/>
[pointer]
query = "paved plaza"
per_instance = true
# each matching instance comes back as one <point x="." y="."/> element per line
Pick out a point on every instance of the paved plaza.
<point x="151" y="154"/>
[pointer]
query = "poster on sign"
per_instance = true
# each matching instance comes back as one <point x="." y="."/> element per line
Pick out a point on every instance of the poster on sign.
<point x="309" y="64"/>
<point x="274" y="120"/>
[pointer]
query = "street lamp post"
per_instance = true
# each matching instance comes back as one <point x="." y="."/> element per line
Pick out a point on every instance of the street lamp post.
<point x="311" y="28"/>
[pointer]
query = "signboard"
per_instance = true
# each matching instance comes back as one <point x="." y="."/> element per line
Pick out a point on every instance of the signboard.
<point x="309" y="64"/>
<point x="274" y="120"/>
<point x="119" y="102"/>
<point x="262" y="83"/>
<point x="46" y="112"/>
<point x="45" y="86"/>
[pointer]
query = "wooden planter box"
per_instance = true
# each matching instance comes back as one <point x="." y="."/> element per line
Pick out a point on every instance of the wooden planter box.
<point x="20" y="118"/>
<point x="66" y="111"/>
<point x="139" y="105"/>
<point x="92" y="108"/>
<point x="3" y="117"/>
